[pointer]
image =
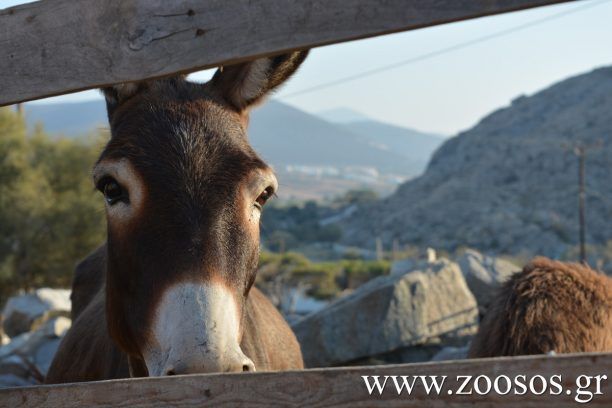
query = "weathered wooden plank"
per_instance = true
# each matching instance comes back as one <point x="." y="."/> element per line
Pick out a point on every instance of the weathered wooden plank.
<point x="332" y="387"/>
<point x="53" y="47"/>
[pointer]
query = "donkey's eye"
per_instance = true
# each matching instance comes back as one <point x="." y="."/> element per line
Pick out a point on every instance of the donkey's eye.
<point x="264" y="197"/>
<point x="112" y="191"/>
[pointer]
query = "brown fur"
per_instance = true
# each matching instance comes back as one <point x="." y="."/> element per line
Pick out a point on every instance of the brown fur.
<point x="190" y="182"/>
<point x="549" y="306"/>
<point x="87" y="281"/>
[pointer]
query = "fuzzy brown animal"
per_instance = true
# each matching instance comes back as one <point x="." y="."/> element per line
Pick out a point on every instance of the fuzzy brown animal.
<point x="171" y="291"/>
<point x="549" y="306"/>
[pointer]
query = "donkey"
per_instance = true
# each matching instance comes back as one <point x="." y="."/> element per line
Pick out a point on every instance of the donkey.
<point x="171" y="291"/>
<point x="548" y="307"/>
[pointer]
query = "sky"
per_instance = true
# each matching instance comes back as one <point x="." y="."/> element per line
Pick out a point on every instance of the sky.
<point x="454" y="89"/>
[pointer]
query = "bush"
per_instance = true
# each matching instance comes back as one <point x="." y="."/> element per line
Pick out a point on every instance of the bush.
<point x="323" y="280"/>
<point x="50" y="216"/>
<point x="287" y="228"/>
<point x="357" y="273"/>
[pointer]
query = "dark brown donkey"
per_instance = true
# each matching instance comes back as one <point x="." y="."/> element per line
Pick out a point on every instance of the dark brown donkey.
<point x="171" y="290"/>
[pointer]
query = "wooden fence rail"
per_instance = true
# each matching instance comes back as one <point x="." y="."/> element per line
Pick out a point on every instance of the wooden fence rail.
<point x="53" y="47"/>
<point x="342" y="387"/>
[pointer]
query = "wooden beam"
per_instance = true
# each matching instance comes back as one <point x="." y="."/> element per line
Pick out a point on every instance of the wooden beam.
<point x="53" y="47"/>
<point x="337" y="387"/>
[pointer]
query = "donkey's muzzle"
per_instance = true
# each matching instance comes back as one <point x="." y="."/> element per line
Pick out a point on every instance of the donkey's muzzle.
<point x="196" y="330"/>
<point x="237" y="363"/>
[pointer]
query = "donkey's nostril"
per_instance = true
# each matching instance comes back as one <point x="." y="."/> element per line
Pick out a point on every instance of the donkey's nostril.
<point x="170" y="372"/>
<point x="248" y="365"/>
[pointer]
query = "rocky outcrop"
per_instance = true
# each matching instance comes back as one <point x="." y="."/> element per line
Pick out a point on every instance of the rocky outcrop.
<point x="484" y="274"/>
<point x="22" y="313"/>
<point x="508" y="185"/>
<point x="424" y="306"/>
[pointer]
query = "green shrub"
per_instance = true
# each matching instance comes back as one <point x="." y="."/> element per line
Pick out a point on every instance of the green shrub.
<point x="50" y="216"/>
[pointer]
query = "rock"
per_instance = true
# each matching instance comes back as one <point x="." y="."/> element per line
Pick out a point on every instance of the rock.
<point x="484" y="274"/>
<point x="22" y="311"/>
<point x="43" y="343"/>
<point x="16" y="344"/>
<point x="11" y="380"/>
<point x="452" y="353"/>
<point x="56" y="328"/>
<point x="428" y="255"/>
<point x="44" y="353"/>
<point x="431" y="255"/>
<point x="388" y="313"/>
<point x="14" y="365"/>
<point x="403" y="265"/>
<point x="29" y="355"/>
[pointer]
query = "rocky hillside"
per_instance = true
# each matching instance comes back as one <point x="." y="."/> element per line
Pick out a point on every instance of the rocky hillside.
<point x="509" y="185"/>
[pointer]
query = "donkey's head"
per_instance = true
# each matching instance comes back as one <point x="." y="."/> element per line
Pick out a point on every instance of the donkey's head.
<point x="184" y="191"/>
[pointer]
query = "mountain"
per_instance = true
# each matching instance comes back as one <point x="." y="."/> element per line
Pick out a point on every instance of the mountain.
<point x="509" y="185"/>
<point x="285" y="135"/>
<point x="70" y="119"/>
<point x="410" y="143"/>
<point x="413" y="145"/>
<point x="282" y="134"/>
<point x="342" y="115"/>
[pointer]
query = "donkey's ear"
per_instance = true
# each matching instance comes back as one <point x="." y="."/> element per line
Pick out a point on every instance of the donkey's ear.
<point x="117" y="94"/>
<point x="243" y="85"/>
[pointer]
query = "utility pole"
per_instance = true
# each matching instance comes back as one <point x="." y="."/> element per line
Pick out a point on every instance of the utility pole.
<point x="281" y="245"/>
<point x="395" y="251"/>
<point x="580" y="151"/>
<point x="380" y="255"/>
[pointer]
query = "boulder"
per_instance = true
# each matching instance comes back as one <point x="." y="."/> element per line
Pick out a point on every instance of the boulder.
<point x="14" y="365"/>
<point x="29" y="355"/>
<point x="17" y="370"/>
<point x="11" y="380"/>
<point x="388" y="313"/>
<point x="16" y="344"/>
<point x="55" y="328"/>
<point x="21" y="312"/>
<point x="484" y="274"/>
<point x="43" y="355"/>
<point x="43" y="343"/>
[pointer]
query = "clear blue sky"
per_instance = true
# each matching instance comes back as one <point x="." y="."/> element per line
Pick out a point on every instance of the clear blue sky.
<point x="452" y="91"/>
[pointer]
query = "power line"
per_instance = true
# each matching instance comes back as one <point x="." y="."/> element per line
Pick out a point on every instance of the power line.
<point x="442" y="51"/>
